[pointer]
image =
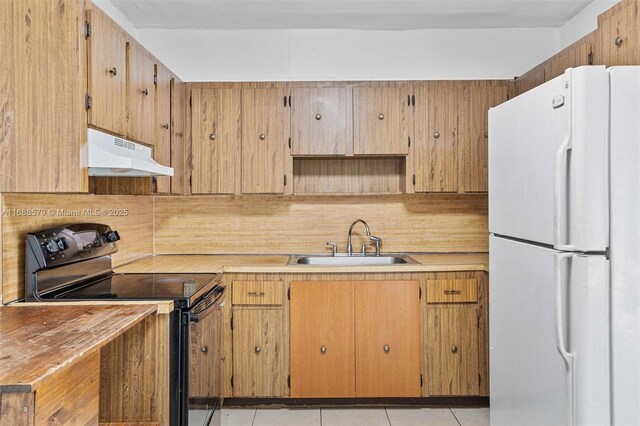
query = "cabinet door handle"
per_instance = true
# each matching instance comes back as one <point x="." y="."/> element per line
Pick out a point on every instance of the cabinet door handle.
<point x="256" y="293"/>
<point x="258" y="349"/>
<point x="113" y="71"/>
<point x="204" y="349"/>
<point x="386" y="349"/>
<point x="262" y="136"/>
<point x="212" y="136"/>
<point x="454" y="349"/>
<point x="318" y="117"/>
<point x="381" y="116"/>
<point x="436" y="134"/>
<point x="618" y="41"/>
<point x="323" y="349"/>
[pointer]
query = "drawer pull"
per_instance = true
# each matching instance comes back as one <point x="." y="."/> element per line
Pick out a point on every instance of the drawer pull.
<point x="256" y="293"/>
<point x="454" y="349"/>
<point x="386" y="348"/>
<point x="204" y="349"/>
<point x="323" y="349"/>
<point x="258" y="349"/>
<point x="453" y="292"/>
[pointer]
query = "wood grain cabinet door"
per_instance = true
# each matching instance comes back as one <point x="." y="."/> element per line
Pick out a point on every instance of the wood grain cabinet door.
<point x="321" y="121"/>
<point x="475" y="99"/>
<point x="258" y="353"/>
<point x="387" y="338"/>
<point x="617" y="36"/>
<point x="107" y="73"/>
<point x="140" y="96"/>
<point x="205" y="362"/>
<point x="380" y="121"/>
<point x="216" y="133"/>
<point x="177" y="136"/>
<point x="322" y="339"/>
<point x="162" y="148"/>
<point x="436" y="130"/>
<point x="452" y="351"/>
<point x="265" y="137"/>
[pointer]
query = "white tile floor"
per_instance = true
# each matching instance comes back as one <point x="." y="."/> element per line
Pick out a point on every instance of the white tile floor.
<point x="355" y="416"/>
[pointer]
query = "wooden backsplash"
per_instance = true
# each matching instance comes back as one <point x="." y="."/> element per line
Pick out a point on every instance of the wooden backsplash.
<point x="427" y="223"/>
<point x="22" y="213"/>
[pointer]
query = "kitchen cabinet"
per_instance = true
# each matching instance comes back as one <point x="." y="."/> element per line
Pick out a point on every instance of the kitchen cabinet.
<point x="322" y="339"/>
<point x="162" y="147"/>
<point x="216" y="142"/>
<point x="107" y="73"/>
<point x="387" y="320"/>
<point x="436" y="137"/>
<point x="453" y="334"/>
<point x="178" y="145"/>
<point x="355" y="339"/>
<point x="43" y="86"/>
<point x="206" y="357"/>
<point x="321" y="121"/>
<point x="265" y="136"/>
<point x="577" y="54"/>
<point x="475" y="99"/>
<point x="381" y="120"/>
<point x="140" y="94"/>
<point x="617" y="38"/>
<point x="258" y="353"/>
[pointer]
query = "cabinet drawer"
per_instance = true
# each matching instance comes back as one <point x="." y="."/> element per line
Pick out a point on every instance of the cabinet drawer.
<point x="452" y="291"/>
<point x="257" y="293"/>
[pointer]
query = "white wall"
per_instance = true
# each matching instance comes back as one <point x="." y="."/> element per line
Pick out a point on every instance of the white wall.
<point x="246" y="55"/>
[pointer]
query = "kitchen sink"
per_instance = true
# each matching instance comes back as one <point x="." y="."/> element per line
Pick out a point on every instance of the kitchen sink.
<point x="356" y="260"/>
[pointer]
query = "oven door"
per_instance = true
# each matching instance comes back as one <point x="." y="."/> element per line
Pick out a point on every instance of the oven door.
<point x="205" y="359"/>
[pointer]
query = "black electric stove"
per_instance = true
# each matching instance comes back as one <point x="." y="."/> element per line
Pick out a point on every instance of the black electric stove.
<point x="73" y="262"/>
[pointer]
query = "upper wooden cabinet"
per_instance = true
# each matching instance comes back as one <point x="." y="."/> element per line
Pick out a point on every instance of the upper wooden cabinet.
<point x="141" y="94"/>
<point x="265" y="136"/>
<point x="43" y="68"/>
<point x="216" y="141"/>
<point x="162" y="148"/>
<point x="321" y="121"/>
<point x="475" y="99"/>
<point x="436" y="140"/>
<point x="617" y="36"/>
<point x="322" y="339"/>
<point x="107" y="79"/>
<point x="380" y="121"/>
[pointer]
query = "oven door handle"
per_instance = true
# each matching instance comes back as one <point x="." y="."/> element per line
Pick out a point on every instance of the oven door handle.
<point x="202" y="315"/>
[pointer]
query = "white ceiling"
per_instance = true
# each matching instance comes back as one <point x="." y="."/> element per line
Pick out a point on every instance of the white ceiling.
<point x="347" y="14"/>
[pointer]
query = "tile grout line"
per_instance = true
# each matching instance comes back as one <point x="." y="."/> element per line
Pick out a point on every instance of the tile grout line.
<point x="454" y="416"/>
<point x="255" y="413"/>
<point x="387" y="414"/>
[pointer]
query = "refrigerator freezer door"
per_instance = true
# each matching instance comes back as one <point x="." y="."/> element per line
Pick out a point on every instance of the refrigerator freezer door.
<point x="548" y="336"/>
<point x="625" y="244"/>
<point x="548" y="163"/>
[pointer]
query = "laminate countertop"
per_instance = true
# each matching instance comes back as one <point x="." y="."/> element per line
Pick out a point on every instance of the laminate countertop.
<point x="37" y="342"/>
<point x="194" y="263"/>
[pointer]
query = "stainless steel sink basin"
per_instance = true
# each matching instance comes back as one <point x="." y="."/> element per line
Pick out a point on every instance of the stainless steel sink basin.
<point x="319" y="260"/>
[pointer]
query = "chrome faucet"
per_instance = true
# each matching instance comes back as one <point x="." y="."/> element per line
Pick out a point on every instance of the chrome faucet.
<point x="367" y="230"/>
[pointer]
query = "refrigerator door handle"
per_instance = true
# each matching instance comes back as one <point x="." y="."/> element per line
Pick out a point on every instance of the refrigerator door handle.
<point x="560" y="195"/>
<point x="559" y="261"/>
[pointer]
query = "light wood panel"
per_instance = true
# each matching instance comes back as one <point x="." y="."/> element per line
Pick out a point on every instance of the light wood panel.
<point x="452" y="353"/>
<point x="446" y="223"/>
<point x="532" y="78"/>
<point x="348" y="175"/>
<point x="140" y="94"/>
<point x="618" y="35"/>
<point x="321" y="121"/>
<point x="381" y="120"/>
<point x="17" y="409"/>
<point x="257" y="293"/>
<point x="43" y="65"/>
<point x="322" y="315"/>
<point x="134" y="374"/>
<point x="162" y="148"/>
<point x="216" y="141"/>
<point x="72" y="397"/>
<point x="206" y="357"/>
<point x="265" y="136"/>
<point x="107" y="73"/>
<point x="258" y="353"/>
<point x="387" y="320"/>
<point x="452" y="291"/>
<point x="131" y="216"/>
<point x="578" y="54"/>
<point x="475" y="99"/>
<point x="178" y="144"/>
<point x="436" y="140"/>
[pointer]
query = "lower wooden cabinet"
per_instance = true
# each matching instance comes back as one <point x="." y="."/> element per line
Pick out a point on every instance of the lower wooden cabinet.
<point x="205" y="357"/>
<point x="258" y="353"/>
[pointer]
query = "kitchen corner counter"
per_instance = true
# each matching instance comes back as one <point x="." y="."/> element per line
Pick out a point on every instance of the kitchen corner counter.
<point x="190" y="263"/>
<point x="39" y="342"/>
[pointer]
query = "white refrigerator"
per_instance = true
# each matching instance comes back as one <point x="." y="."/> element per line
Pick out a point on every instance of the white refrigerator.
<point x="564" y="223"/>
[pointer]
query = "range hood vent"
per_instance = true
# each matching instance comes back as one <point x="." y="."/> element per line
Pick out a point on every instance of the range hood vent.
<point x="113" y="156"/>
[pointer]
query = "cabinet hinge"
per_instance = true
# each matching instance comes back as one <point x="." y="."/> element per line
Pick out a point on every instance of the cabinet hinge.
<point x="421" y="380"/>
<point x="285" y="101"/>
<point x="420" y="293"/>
<point x="232" y="323"/>
<point x="408" y="100"/>
<point x="285" y="180"/>
<point x="190" y="181"/>
<point x="289" y="143"/>
<point x="590" y="58"/>
<point x="409" y="141"/>
<point x="155" y="79"/>
<point x="87" y="101"/>
<point x="413" y="100"/>
<point x="414" y="180"/>
<point x="190" y="104"/>
<point x="289" y="293"/>
<point x="87" y="29"/>
<point x="290" y="101"/>
<point x="231" y="380"/>
<point x="478" y="318"/>
<point x="289" y="382"/>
